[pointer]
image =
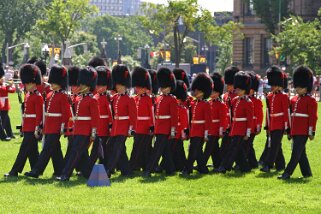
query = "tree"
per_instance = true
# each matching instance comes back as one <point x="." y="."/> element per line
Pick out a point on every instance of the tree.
<point x="178" y="18"/>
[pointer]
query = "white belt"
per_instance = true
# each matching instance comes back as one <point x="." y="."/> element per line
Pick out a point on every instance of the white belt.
<point x="240" y="119"/>
<point x="143" y="118"/>
<point x="163" y="117"/>
<point x="53" y="114"/>
<point x="299" y="115"/>
<point x="122" y="118"/>
<point x="3" y="97"/>
<point x="215" y="121"/>
<point x="198" y="121"/>
<point x="104" y="116"/>
<point x="81" y="118"/>
<point x="29" y="115"/>
<point x="254" y="118"/>
<point x="277" y="114"/>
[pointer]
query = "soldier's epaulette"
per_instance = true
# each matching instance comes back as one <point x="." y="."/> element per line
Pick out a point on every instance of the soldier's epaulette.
<point x="37" y="93"/>
<point x="172" y="95"/>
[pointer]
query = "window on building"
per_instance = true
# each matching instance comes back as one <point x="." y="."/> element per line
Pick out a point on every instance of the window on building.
<point x="267" y="46"/>
<point x="249" y="9"/>
<point x="248" y="52"/>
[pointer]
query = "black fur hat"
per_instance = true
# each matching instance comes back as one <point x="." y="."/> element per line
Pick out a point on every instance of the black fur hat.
<point x="121" y="75"/>
<point x="73" y="73"/>
<point x="32" y="60"/>
<point x="166" y="78"/>
<point x="1" y="70"/>
<point x="218" y="82"/>
<point x="30" y="73"/>
<point x="229" y="74"/>
<point x="96" y="61"/>
<point x="141" y="78"/>
<point x="181" y="90"/>
<point x="204" y="83"/>
<point x="242" y="80"/>
<point x="180" y="74"/>
<point x="255" y="83"/>
<point x="104" y="77"/>
<point x="88" y="76"/>
<point x="42" y="66"/>
<point x="153" y="77"/>
<point x="303" y="77"/>
<point x="275" y="76"/>
<point x="58" y="75"/>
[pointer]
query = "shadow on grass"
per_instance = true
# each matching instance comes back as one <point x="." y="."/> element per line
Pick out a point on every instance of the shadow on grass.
<point x="192" y="176"/>
<point x="267" y="174"/>
<point x="235" y="174"/>
<point x="297" y="181"/>
<point x="155" y="178"/>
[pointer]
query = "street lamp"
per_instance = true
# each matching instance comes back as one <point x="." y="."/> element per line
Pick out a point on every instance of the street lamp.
<point x="146" y="57"/>
<point x="26" y="48"/>
<point x="118" y="39"/>
<point x="103" y="44"/>
<point x="45" y="51"/>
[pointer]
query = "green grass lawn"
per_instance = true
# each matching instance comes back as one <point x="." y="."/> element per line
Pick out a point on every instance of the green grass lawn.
<point x="233" y="192"/>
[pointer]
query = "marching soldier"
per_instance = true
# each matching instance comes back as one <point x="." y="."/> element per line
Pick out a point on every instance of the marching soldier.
<point x="242" y="123"/>
<point x="124" y="123"/>
<point x="56" y="120"/>
<point x="85" y="119"/>
<point x="202" y="87"/>
<point x="32" y="119"/>
<point x="304" y="118"/>
<point x="218" y="121"/>
<point x="145" y="119"/>
<point x="44" y="88"/>
<point x="155" y="87"/>
<point x="278" y="103"/>
<point x="180" y="74"/>
<point x="166" y="120"/>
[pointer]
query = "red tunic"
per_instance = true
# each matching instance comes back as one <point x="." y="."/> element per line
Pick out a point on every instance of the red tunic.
<point x="227" y="98"/>
<point x="44" y="88"/>
<point x="182" y="121"/>
<point x="258" y="114"/>
<point x="85" y="106"/>
<point x="105" y="117"/>
<point x="145" y="113"/>
<point x="70" y="125"/>
<point x="33" y="111"/>
<point x="57" y="112"/>
<point x="201" y="118"/>
<point x="4" y="101"/>
<point x="218" y="116"/>
<point x="279" y="111"/>
<point x="242" y="121"/>
<point x="124" y="114"/>
<point x="304" y="115"/>
<point x="166" y="115"/>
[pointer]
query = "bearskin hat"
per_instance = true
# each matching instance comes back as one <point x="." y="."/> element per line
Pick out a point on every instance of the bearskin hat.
<point x="30" y="73"/>
<point x="42" y="66"/>
<point x="1" y="70"/>
<point x="229" y="74"/>
<point x="88" y="76"/>
<point x="58" y="75"/>
<point x="121" y="75"/>
<point x="32" y="60"/>
<point x="180" y="74"/>
<point x="153" y="76"/>
<point x="96" y="61"/>
<point x="254" y="80"/>
<point x="181" y="90"/>
<point x="275" y="76"/>
<point x="166" y="78"/>
<point x="242" y="80"/>
<point x="73" y="73"/>
<point x="141" y="78"/>
<point x="104" y="76"/>
<point x="303" y="77"/>
<point x="204" y="83"/>
<point x="218" y="82"/>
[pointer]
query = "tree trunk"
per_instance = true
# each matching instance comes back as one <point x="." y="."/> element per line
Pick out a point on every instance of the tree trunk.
<point x="176" y="47"/>
<point x="7" y="39"/>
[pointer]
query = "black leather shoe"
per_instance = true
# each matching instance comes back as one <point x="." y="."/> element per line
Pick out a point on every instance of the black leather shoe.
<point x="32" y="174"/>
<point x="221" y="169"/>
<point x="62" y="178"/>
<point x="11" y="175"/>
<point x="265" y="169"/>
<point x="284" y="176"/>
<point x="13" y="137"/>
<point x="147" y="174"/>
<point x="6" y="139"/>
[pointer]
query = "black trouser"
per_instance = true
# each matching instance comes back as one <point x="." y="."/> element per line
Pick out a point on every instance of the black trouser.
<point x="6" y="124"/>
<point x="224" y="145"/>
<point x="3" y="134"/>
<point x="212" y="150"/>
<point x="195" y="152"/>
<point x="162" y="148"/>
<point x="51" y="149"/>
<point x="98" y="150"/>
<point x="250" y="152"/>
<point x="236" y="153"/>
<point x="78" y="156"/>
<point x="140" y="154"/>
<point x="178" y="154"/>
<point x="28" y="149"/>
<point x="275" y="153"/>
<point x="299" y="156"/>
<point x="265" y="151"/>
<point x="118" y="156"/>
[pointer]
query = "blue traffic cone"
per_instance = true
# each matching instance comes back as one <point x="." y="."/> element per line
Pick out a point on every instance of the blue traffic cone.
<point x="98" y="176"/>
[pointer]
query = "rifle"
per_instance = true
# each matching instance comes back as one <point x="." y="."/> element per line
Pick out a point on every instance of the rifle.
<point x="267" y="121"/>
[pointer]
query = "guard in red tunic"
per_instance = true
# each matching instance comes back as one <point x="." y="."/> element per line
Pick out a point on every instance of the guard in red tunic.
<point x="44" y="88"/>
<point x="166" y="121"/>
<point x="303" y="121"/>
<point x="218" y="121"/>
<point x="56" y="119"/>
<point x="124" y="123"/>
<point x="242" y="123"/>
<point x="180" y="74"/>
<point x="85" y="119"/>
<point x="278" y="111"/>
<point x="5" y="124"/>
<point x="32" y="119"/>
<point x="202" y="87"/>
